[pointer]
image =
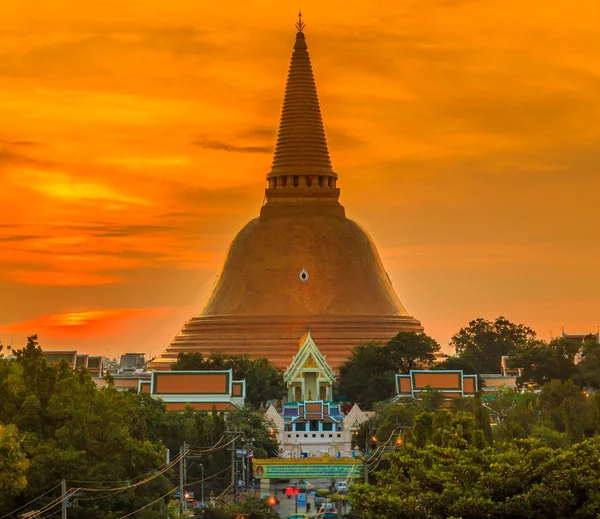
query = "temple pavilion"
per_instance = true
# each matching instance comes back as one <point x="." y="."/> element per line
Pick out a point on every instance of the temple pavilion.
<point x="311" y="423"/>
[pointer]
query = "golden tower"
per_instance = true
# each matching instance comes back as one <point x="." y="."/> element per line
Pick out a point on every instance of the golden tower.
<point x="301" y="265"/>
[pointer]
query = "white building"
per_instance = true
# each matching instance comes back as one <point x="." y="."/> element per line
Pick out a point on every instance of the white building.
<point x="310" y="426"/>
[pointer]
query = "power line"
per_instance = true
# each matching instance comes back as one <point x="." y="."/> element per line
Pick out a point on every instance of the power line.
<point x="150" y="504"/>
<point x="58" y="501"/>
<point x="138" y="483"/>
<point x="32" y="501"/>
<point x="207" y="478"/>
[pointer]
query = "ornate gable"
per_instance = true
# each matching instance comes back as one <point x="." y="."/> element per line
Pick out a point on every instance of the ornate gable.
<point x="354" y="418"/>
<point x="308" y="358"/>
<point x="274" y="418"/>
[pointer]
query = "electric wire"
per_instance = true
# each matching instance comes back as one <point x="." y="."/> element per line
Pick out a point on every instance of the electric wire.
<point x="142" y="482"/>
<point x="209" y="477"/>
<point x="46" y="508"/>
<point x="214" y="448"/>
<point x="32" y="501"/>
<point x="112" y="491"/>
<point x="149" y="504"/>
<point x="371" y="460"/>
<point x="118" y="491"/>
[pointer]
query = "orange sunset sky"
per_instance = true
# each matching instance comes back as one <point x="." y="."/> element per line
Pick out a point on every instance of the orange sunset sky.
<point x="136" y="135"/>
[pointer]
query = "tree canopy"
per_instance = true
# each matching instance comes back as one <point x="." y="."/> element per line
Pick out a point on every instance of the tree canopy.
<point x="56" y="424"/>
<point x="541" y="459"/>
<point x="409" y="350"/>
<point x="483" y="343"/>
<point x="367" y="376"/>
<point x="560" y="359"/>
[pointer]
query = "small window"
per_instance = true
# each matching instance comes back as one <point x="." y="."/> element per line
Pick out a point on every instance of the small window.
<point x="331" y="435"/>
<point x="339" y="435"/>
<point x="289" y="435"/>
<point x="306" y="435"/>
<point x="320" y="181"/>
<point x="275" y="182"/>
<point x="309" y="180"/>
<point x="295" y="180"/>
<point x="283" y="181"/>
<point x="322" y="436"/>
<point x="314" y="435"/>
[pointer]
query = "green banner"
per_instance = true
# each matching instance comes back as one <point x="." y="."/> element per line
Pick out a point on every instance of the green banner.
<point x="302" y="468"/>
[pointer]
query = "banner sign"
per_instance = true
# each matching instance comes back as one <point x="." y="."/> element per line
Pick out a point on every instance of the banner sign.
<point x="302" y="468"/>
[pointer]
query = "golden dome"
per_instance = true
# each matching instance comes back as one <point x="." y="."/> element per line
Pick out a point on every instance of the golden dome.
<point x="302" y="265"/>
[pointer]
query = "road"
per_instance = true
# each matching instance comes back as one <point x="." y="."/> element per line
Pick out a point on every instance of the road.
<point x="287" y="505"/>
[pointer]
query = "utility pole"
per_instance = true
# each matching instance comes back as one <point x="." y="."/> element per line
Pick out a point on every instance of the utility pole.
<point x="182" y="502"/>
<point x="232" y="448"/>
<point x="63" y="491"/>
<point x="366" y="470"/>
<point x="233" y="463"/>
<point x="202" y="465"/>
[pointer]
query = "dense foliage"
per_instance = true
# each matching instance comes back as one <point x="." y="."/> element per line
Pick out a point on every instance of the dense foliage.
<point x="541" y="458"/>
<point x="483" y="343"/>
<point x="55" y="424"/>
<point x="264" y="381"/>
<point x="559" y="359"/>
<point x="367" y="376"/>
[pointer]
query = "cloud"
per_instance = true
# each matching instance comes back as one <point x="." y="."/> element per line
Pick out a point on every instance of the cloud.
<point x="19" y="238"/>
<point x="221" y="146"/>
<point x="8" y="157"/>
<point x="83" y="323"/>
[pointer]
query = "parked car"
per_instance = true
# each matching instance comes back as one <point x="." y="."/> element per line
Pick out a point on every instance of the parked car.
<point x="298" y="516"/>
<point x="341" y="487"/>
<point x="324" y="515"/>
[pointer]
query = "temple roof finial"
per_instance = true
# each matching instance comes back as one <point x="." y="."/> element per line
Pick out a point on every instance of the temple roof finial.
<point x="300" y="25"/>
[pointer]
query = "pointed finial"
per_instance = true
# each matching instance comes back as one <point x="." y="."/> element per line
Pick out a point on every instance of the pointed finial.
<point x="300" y="25"/>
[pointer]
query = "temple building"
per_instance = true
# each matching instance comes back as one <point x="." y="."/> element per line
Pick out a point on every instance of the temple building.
<point x="94" y="364"/>
<point x="310" y="423"/>
<point x="451" y="383"/>
<point x="201" y="390"/>
<point x="302" y="263"/>
<point x="309" y="376"/>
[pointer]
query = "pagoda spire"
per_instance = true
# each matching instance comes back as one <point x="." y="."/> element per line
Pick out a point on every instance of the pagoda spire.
<point x="301" y="156"/>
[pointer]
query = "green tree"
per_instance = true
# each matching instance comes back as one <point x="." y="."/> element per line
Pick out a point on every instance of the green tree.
<point x="410" y="350"/>
<point x="588" y="369"/>
<point x="13" y="462"/>
<point x="483" y="343"/>
<point x="367" y="376"/>
<point x="519" y="479"/>
<point x="542" y="362"/>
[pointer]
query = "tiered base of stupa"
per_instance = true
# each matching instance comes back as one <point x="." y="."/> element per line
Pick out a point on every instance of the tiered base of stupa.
<point x="277" y="337"/>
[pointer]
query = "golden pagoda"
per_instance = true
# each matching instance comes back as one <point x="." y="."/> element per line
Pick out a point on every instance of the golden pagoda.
<point x="301" y="265"/>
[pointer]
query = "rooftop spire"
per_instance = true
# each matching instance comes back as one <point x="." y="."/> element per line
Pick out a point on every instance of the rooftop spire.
<point x="301" y="155"/>
<point x="300" y="25"/>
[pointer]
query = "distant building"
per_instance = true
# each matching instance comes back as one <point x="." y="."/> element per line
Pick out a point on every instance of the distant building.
<point x="94" y="364"/>
<point x="133" y="361"/>
<point x="202" y="390"/>
<point x="126" y="382"/>
<point x="452" y="383"/>
<point x="582" y="336"/>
